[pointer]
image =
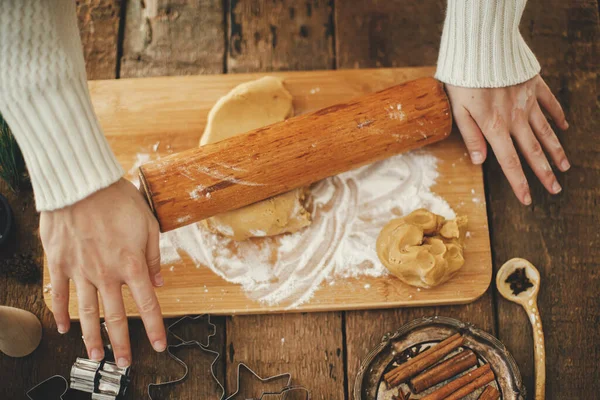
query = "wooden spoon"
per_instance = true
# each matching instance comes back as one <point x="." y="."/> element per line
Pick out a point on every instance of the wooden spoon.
<point x="527" y="299"/>
<point x="20" y="332"/>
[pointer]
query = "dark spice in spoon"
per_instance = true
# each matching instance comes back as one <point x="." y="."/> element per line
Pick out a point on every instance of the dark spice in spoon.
<point x="518" y="281"/>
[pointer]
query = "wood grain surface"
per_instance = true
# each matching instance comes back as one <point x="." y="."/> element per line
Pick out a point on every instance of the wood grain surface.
<point x="198" y="183"/>
<point x="285" y="54"/>
<point x="559" y="234"/>
<point x="383" y="34"/>
<point x="459" y="182"/>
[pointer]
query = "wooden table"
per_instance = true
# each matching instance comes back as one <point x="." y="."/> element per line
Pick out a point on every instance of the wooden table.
<point x="323" y="350"/>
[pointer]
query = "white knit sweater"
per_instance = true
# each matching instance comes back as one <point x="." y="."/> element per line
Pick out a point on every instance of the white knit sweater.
<point x="482" y="47"/>
<point x="45" y="100"/>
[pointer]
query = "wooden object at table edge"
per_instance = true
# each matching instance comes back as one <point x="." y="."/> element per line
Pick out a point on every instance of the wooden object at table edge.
<point x="196" y="184"/>
<point x="20" y="332"/>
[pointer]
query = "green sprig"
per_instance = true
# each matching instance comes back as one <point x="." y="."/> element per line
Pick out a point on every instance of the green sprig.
<point x="12" y="164"/>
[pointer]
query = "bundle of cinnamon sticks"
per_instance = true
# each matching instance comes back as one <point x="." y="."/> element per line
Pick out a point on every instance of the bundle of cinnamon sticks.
<point x="416" y="372"/>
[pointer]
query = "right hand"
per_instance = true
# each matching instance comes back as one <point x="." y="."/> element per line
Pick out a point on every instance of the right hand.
<point x="509" y="116"/>
<point x="101" y="243"/>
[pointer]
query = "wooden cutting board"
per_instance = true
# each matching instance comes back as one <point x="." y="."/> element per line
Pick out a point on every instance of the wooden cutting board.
<point x="158" y="116"/>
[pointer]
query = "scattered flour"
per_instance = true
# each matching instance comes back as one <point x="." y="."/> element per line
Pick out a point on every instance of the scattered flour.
<point x="396" y="112"/>
<point x="140" y="159"/>
<point x="349" y="210"/>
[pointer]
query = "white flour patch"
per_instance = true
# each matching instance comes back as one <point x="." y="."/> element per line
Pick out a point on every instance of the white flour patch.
<point x="140" y="159"/>
<point x="181" y="220"/>
<point x="396" y="112"/>
<point x="226" y="177"/>
<point x="349" y="210"/>
<point x="197" y="192"/>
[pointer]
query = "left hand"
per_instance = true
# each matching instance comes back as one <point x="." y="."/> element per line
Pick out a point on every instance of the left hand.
<point x="502" y="115"/>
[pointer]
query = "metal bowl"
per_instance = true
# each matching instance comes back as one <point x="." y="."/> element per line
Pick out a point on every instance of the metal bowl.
<point x="369" y="383"/>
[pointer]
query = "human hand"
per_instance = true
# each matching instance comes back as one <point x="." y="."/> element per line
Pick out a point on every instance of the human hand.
<point x="100" y="243"/>
<point x="502" y="114"/>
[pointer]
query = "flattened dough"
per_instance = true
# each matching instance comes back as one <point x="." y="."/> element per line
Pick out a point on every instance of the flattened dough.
<point x="248" y="106"/>
<point x="423" y="249"/>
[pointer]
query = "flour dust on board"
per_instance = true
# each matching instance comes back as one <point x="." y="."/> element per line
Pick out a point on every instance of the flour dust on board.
<point x="348" y="212"/>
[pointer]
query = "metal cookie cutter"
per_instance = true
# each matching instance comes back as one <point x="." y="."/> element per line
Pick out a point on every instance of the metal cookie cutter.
<point x="44" y="389"/>
<point x="186" y="343"/>
<point x="263" y="380"/>
<point x="286" y="390"/>
<point x="104" y="379"/>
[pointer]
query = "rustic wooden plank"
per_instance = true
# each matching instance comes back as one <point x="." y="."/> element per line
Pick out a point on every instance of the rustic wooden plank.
<point x="280" y="35"/>
<point x="266" y="36"/>
<point x="99" y="28"/>
<point x="184" y="38"/>
<point x="559" y="233"/>
<point x="309" y="346"/>
<point x="388" y="33"/>
<point x="384" y="34"/>
<point x="155" y="367"/>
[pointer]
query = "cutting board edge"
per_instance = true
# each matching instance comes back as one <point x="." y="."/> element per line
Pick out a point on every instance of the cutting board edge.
<point x="252" y="75"/>
<point x="308" y="307"/>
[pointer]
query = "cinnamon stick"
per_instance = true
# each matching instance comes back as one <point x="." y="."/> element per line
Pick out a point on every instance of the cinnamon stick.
<point x="458" y="383"/>
<point x="490" y="393"/>
<point x="444" y="370"/>
<point x="473" y="386"/>
<point x="426" y="359"/>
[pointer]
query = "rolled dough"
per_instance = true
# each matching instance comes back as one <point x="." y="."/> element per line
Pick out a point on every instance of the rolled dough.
<point x="248" y="106"/>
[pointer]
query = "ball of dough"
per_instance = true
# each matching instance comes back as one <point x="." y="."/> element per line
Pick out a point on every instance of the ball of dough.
<point x="249" y="106"/>
<point x="422" y="249"/>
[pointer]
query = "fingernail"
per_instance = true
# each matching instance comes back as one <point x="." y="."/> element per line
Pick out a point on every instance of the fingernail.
<point x="97" y="355"/>
<point x="476" y="157"/>
<point x="564" y="166"/>
<point x="62" y="329"/>
<point x="566" y="125"/>
<point x="159" y="346"/>
<point x="527" y="199"/>
<point x="556" y="187"/>
<point x="158" y="279"/>
<point x="122" y="362"/>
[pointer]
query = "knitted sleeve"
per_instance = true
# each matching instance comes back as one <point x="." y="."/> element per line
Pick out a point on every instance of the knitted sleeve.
<point x="482" y="47"/>
<point x="44" y="99"/>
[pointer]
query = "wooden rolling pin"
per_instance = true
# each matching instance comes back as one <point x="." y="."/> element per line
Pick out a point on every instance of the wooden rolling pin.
<point x="196" y="184"/>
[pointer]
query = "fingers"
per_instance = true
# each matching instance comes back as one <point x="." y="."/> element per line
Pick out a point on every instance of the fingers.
<point x="548" y="138"/>
<point x="153" y="254"/>
<point x="90" y="319"/>
<point x="116" y="323"/>
<point x="533" y="153"/>
<point x="549" y="102"/>
<point x="60" y="299"/>
<point x="496" y="132"/>
<point x="147" y="303"/>
<point x="472" y="136"/>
